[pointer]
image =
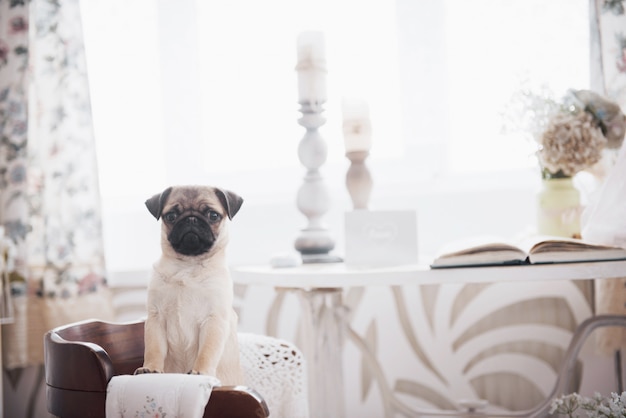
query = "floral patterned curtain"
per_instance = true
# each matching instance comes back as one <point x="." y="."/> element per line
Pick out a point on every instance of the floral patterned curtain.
<point x="49" y="197"/>
<point x="608" y="49"/>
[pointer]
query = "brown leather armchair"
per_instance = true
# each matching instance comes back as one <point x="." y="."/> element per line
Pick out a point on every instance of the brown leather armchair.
<point x="81" y="358"/>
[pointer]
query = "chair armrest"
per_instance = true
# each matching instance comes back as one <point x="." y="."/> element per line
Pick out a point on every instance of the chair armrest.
<point x="235" y="402"/>
<point x="76" y="365"/>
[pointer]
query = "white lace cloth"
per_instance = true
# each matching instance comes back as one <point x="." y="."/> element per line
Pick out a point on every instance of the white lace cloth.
<point x="273" y="367"/>
<point x="276" y="369"/>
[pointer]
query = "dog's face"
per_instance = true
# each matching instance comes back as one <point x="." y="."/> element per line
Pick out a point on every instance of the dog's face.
<point x="194" y="218"/>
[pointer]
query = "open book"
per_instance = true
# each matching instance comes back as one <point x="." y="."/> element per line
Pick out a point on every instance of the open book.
<point x="540" y="249"/>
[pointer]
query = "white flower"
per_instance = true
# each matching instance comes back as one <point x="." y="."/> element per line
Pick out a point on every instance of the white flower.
<point x="566" y="404"/>
<point x="598" y="406"/>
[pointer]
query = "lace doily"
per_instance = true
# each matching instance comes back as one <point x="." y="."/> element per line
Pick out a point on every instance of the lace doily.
<point x="276" y="369"/>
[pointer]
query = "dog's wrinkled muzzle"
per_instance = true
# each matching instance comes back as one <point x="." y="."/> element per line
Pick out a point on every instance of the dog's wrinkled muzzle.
<point x="191" y="236"/>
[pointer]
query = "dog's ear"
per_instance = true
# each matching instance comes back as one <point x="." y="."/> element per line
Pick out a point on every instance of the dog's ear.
<point x="155" y="203"/>
<point x="230" y="201"/>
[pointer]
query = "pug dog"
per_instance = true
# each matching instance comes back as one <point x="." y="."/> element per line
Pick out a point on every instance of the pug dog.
<point x="191" y="326"/>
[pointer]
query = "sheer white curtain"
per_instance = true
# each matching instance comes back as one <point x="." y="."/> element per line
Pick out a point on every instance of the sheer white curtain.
<point x="206" y="91"/>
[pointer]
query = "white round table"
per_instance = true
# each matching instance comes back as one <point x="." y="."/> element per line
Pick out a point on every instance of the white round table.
<point x="320" y="289"/>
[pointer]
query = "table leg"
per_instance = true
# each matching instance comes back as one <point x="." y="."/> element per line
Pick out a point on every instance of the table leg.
<point x="323" y="333"/>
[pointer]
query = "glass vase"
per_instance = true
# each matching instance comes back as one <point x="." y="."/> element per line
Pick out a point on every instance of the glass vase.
<point x="559" y="208"/>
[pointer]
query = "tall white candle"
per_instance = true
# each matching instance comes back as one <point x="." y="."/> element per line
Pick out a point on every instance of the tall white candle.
<point x="357" y="127"/>
<point x="311" y="67"/>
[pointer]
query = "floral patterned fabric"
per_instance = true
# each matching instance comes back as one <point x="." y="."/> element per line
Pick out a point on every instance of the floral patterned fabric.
<point x="608" y="49"/>
<point x="159" y="395"/>
<point x="49" y="197"/>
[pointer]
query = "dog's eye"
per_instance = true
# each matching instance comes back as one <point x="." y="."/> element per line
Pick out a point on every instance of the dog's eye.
<point x="170" y="216"/>
<point x="214" y="216"/>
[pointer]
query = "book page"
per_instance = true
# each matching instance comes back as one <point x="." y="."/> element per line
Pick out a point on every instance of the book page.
<point x="479" y="250"/>
<point x="547" y="249"/>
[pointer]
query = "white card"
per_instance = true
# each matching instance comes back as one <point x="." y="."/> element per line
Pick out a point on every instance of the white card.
<point x="381" y="238"/>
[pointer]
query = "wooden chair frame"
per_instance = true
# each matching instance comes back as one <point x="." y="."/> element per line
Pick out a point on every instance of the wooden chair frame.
<point x="81" y="358"/>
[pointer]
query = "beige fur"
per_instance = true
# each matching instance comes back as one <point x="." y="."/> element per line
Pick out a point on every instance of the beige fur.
<point x="191" y="325"/>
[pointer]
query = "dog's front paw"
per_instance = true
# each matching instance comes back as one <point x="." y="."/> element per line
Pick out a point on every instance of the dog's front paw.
<point x="144" y="370"/>
<point x="198" y="372"/>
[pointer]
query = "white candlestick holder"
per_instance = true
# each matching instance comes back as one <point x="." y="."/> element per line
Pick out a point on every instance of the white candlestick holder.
<point x="358" y="179"/>
<point x="314" y="242"/>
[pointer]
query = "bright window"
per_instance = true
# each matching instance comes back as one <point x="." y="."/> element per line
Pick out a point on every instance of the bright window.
<point x="207" y="89"/>
<point x="492" y="47"/>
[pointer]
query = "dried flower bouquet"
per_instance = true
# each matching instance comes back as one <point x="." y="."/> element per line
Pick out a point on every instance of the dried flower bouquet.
<point x="572" y="134"/>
